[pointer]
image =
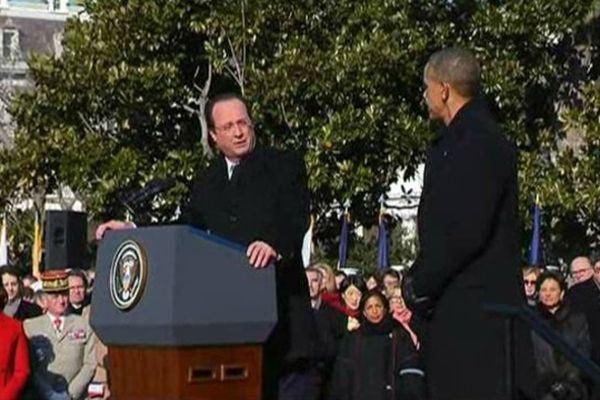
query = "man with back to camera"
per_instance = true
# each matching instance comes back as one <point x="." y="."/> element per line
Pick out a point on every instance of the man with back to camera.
<point x="258" y="197"/>
<point x="468" y="234"/>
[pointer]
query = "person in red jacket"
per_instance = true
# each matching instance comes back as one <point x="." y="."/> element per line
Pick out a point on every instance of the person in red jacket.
<point x="14" y="355"/>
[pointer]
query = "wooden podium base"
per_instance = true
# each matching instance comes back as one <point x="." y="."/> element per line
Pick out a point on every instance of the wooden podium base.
<point x="196" y="373"/>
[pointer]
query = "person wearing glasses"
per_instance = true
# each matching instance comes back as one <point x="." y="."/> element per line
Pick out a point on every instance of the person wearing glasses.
<point x="581" y="269"/>
<point x="258" y="197"/>
<point x="530" y="276"/>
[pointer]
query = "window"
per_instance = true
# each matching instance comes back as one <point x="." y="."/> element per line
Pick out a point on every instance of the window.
<point x="10" y="44"/>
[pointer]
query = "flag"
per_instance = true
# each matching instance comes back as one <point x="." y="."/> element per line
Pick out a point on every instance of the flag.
<point x="307" y="243"/>
<point x="36" y="251"/>
<point x="3" y="243"/>
<point x="343" y="248"/>
<point x="536" y="250"/>
<point x="383" y="248"/>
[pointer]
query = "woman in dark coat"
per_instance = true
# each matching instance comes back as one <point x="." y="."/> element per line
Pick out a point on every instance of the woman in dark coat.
<point x="378" y="361"/>
<point x="558" y="378"/>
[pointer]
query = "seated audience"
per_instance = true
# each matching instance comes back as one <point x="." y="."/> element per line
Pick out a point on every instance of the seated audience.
<point x="17" y="307"/>
<point x="557" y="376"/>
<point x="62" y="345"/>
<point x="379" y="360"/>
<point x="14" y="355"/>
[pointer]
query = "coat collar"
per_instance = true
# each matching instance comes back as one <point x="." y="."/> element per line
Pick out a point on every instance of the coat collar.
<point x="218" y="168"/>
<point x="472" y="109"/>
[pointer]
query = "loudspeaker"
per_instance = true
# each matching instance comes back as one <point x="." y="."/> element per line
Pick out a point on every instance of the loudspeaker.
<point x="65" y="240"/>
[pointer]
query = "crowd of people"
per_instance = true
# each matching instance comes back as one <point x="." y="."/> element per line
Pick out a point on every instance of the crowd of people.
<point x="368" y="340"/>
<point x="48" y="350"/>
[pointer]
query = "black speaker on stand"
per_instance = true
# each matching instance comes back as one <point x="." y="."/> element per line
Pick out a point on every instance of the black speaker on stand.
<point x="65" y="240"/>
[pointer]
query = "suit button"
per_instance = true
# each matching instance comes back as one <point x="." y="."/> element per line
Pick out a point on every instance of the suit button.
<point x="233" y="218"/>
<point x="388" y="387"/>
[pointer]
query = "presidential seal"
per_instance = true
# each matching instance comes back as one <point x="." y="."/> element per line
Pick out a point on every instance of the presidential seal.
<point x="128" y="273"/>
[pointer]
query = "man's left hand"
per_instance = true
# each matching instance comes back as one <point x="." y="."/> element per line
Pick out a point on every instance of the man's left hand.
<point x="260" y="254"/>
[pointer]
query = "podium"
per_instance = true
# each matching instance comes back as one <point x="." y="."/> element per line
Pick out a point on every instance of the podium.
<point x="183" y="314"/>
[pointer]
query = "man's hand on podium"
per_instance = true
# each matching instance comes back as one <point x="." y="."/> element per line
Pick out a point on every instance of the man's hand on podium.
<point x="112" y="224"/>
<point x="260" y="254"/>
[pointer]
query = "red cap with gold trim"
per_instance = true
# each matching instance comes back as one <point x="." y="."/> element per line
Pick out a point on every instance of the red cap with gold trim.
<point x="55" y="281"/>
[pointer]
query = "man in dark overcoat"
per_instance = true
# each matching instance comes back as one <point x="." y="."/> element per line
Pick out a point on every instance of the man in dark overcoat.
<point x="258" y="197"/>
<point x="468" y="236"/>
<point x="584" y="298"/>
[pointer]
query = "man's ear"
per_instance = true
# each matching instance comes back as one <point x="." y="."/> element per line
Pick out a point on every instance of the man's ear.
<point x="445" y="92"/>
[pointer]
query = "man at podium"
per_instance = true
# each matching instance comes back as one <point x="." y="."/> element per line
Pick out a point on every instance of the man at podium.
<point x="258" y="197"/>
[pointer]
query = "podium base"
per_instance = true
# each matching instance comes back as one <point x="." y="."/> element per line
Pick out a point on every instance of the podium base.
<point x="185" y="373"/>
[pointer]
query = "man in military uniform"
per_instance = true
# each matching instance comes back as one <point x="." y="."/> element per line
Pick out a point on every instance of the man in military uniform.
<point x="62" y="345"/>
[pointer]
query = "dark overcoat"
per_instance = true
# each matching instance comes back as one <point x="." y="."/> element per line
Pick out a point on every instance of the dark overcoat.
<point x="469" y="254"/>
<point x="584" y="298"/>
<point x="377" y="362"/>
<point x="266" y="199"/>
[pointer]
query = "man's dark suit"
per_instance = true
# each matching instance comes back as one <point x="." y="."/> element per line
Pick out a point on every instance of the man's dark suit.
<point x="469" y="254"/>
<point x="266" y="199"/>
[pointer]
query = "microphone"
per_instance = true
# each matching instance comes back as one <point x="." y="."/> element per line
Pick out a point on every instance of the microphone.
<point x="151" y="189"/>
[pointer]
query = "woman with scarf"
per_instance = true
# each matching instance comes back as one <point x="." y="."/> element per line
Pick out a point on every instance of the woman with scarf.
<point x="379" y="360"/>
<point x="405" y="317"/>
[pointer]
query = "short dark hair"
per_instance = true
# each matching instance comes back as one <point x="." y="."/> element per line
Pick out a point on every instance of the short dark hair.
<point x="555" y="276"/>
<point x="391" y="272"/>
<point x="208" y="111"/>
<point x="12" y="271"/>
<point x="457" y="67"/>
<point x="353" y="280"/>
<point x="79" y="274"/>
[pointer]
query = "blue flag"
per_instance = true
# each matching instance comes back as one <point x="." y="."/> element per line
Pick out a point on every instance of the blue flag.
<point x="383" y="248"/>
<point x="343" y="249"/>
<point x="536" y="250"/>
